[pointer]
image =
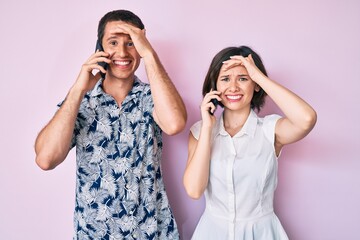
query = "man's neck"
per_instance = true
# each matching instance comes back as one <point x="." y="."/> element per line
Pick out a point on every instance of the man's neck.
<point x="118" y="88"/>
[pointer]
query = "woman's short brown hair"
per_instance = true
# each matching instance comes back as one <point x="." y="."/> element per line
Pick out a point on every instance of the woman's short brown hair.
<point x="212" y="75"/>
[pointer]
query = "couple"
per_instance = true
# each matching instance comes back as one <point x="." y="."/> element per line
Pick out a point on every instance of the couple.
<point x="116" y="123"/>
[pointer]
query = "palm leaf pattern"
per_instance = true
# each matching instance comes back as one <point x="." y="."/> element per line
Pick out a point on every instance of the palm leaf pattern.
<point x="120" y="192"/>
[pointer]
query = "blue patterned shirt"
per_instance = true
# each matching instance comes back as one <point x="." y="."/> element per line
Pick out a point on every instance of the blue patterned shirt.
<point x="120" y="192"/>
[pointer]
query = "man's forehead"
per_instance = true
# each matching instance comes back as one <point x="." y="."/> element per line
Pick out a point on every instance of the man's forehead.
<point x="113" y="29"/>
<point x="109" y="35"/>
<point x="112" y="24"/>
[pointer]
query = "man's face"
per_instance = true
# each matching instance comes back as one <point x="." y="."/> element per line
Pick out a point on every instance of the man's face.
<point x="124" y="56"/>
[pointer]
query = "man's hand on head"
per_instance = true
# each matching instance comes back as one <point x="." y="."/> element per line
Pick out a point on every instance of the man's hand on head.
<point x="137" y="35"/>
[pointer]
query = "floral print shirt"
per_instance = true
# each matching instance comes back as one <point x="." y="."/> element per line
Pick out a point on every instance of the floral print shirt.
<point x="120" y="192"/>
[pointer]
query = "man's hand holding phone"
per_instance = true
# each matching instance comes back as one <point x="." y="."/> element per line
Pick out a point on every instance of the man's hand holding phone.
<point x="100" y="48"/>
<point x="86" y="79"/>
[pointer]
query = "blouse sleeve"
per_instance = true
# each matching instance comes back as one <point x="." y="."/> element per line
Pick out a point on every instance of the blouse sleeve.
<point x="269" y="126"/>
<point x="195" y="129"/>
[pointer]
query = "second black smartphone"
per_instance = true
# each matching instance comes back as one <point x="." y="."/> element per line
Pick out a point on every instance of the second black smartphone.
<point x="103" y="64"/>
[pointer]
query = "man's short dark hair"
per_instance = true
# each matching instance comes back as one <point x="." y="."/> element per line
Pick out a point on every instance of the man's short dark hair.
<point x="118" y="15"/>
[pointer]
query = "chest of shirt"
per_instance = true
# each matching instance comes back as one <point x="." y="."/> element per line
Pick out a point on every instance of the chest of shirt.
<point x="243" y="160"/>
<point x="117" y="132"/>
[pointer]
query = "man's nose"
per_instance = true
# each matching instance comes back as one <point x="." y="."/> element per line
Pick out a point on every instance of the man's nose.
<point x="122" y="51"/>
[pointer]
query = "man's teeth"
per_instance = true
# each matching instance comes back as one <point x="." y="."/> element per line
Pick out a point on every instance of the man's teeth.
<point x="122" y="63"/>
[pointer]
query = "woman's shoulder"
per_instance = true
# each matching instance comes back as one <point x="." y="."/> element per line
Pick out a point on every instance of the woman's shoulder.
<point x="196" y="126"/>
<point x="271" y="118"/>
<point x="268" y="124"/>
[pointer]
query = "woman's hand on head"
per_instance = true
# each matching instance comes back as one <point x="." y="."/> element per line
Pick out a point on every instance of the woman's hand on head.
<point x="247" y="62"/>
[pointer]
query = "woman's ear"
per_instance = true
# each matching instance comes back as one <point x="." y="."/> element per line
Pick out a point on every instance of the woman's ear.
<point x="257" y="88"/>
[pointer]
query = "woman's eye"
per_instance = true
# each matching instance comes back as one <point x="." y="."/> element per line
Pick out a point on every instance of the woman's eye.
<point x="242" y="79"/>
<point x="130" y="44"/>
<point x="226" y="79"/>
<point x="113" y="43"/>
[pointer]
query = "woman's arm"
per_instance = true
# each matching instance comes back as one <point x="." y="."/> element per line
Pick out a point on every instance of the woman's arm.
<point x="300" y="117"/>
<point x="197" y="170"/>
<point x="196" y="174"/>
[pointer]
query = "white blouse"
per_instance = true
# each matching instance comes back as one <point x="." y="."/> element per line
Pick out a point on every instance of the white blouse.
<point x="242" y="181"/>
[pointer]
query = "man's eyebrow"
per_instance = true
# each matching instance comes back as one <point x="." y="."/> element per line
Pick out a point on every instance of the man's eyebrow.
<point x="116" y="36"/>
<point x="111" y="37"/>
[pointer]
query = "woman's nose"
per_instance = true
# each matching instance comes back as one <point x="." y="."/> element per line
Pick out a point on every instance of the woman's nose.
<point x="234" y="86"/>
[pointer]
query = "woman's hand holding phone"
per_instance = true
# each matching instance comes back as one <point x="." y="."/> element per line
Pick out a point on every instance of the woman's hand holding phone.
<point x="216" y="103"/>
<point x="208" y="107"/>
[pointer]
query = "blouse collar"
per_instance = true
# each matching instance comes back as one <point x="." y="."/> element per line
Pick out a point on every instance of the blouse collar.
<point x="249" y="127"/>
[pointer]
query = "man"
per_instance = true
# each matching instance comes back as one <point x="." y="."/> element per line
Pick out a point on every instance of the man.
<point x="116" y="123"/>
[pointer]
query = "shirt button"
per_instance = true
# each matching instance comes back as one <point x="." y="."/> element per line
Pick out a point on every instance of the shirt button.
<point x="131" y="212"/>
<point x="134" y="235"/>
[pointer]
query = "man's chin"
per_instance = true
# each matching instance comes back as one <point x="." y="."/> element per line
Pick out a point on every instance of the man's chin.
<point x="121" y="76"/>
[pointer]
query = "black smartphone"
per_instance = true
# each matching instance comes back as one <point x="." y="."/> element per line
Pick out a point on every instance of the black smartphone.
<point x="103" y="64"/>
<point x="216" y="103"/>
<point x="214" y="100"/>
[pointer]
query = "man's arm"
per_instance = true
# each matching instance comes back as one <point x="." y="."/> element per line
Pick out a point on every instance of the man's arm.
<point x="169" y="108"/>
<point x="53" y="142"/>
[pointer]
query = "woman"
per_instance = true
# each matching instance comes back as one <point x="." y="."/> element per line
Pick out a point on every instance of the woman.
<point x="233" y="159"/>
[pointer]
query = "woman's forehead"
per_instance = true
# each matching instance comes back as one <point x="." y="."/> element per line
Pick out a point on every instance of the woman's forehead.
<point x="236" y="70"/>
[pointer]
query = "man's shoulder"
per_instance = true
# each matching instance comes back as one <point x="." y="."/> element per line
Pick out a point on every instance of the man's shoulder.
<point x="141" y="87"/>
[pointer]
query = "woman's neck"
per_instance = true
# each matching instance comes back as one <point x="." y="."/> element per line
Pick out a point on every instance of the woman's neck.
<point x="235" y="120"/>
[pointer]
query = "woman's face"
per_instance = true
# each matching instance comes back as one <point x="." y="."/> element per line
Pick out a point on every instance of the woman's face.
<point x="236" y="88"/>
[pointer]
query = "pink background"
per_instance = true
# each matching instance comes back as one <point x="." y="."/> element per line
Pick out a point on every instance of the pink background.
<point x="311" y="47"/>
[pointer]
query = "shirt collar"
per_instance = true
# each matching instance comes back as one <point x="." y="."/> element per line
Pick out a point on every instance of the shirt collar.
<point x="249" y="127"/>
<point x="132" y="95"/>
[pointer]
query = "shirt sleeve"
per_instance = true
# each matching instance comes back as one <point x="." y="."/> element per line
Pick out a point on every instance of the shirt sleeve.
<point x="147" y="100"/>
<point x="76" y="129"/>
<point x="269" y="126"/>
<point x="195" y="129"/>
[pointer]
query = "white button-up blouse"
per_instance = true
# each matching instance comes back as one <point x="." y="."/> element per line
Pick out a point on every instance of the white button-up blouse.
<point x="243" y="178"/>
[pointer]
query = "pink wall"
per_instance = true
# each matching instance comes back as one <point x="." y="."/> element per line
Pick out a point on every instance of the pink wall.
<point x="312" y="47"/>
